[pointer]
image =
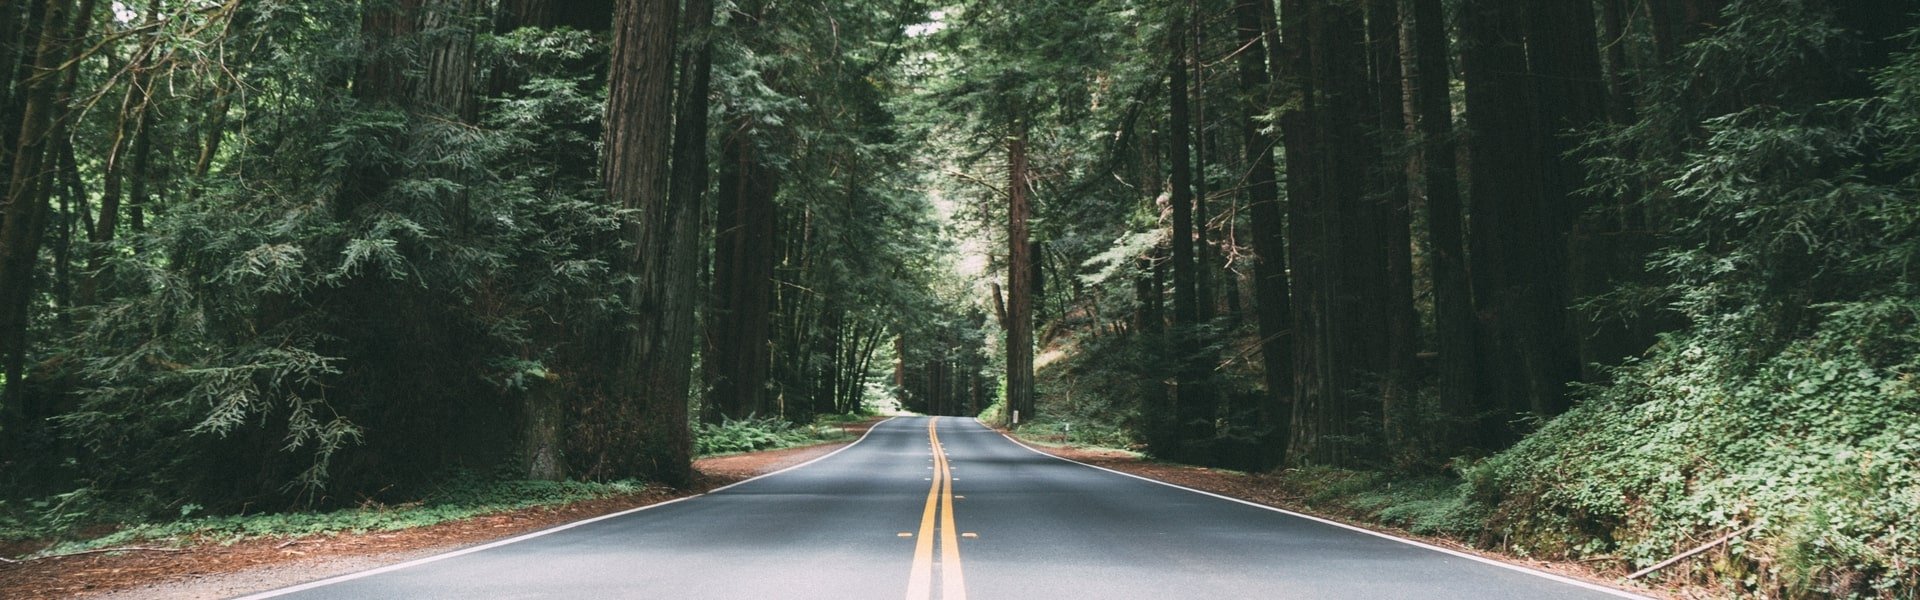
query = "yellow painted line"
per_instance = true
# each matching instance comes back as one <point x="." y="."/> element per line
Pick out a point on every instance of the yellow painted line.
<point x="939" y="504"/>
<point x="920" y="583"/>
<point x="953" y="582"/>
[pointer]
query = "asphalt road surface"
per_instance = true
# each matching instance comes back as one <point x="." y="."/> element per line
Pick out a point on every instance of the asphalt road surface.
<point x="926" y="508"/>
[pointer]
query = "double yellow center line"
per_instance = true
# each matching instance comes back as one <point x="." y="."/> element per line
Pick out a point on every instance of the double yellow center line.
<point x="953" y="585"/>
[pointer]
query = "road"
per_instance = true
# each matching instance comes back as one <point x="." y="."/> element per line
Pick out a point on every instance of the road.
<point x="925" y="508"/>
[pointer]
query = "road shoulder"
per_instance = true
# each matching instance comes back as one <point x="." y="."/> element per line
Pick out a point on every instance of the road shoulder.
<point x="1261" y="490"/>
<point x="209" y="568"/>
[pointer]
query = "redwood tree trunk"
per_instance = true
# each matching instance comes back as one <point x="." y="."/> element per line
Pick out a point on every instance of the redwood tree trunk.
<point x="739" y="323"/>
<point x="544" y="416"/>
<point x="1205" y="289"/>
<point x="1187" y="419"/>
<point x="1514" y="274"/>
<point x="1271" y="293"/>
<point x="1395" y="300"/>
<point x="1019" y="312"/>
<point x="1452" y="296"/>
<point x="1338" y="260"/>
<point x="638" y="427"/>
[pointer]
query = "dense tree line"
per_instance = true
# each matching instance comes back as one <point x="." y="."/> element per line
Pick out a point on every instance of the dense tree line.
<point x="315" y="252"/>
<point x="1497" y="240"/>
<point x="1404" y="200"/>
<point x="1628" y="271"/>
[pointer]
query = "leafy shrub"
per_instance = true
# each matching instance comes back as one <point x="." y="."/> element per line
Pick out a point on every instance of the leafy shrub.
<point x="760" y="433"/>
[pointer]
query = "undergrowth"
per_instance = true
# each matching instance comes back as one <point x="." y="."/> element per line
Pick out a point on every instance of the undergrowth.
<point x="461" y="498"/>
<point x="766" y="433"/>
<point x="1817" y="448"/>
<point x="1422" y="504"/>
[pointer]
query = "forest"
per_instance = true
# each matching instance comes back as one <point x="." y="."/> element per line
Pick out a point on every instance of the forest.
<point x="1607" y="279"/>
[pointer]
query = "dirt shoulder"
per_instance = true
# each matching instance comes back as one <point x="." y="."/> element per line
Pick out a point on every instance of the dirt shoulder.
<point x="1265" y="490"/>
<point x="213" y="568"/>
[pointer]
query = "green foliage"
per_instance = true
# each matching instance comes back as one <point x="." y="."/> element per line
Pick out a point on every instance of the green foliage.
<point x="460" y="497"/>
<point x="360" y="279"/>
<point x="763" y="433"/>
<point x="1422" y="504"/>
<point x="994" y="414"/>
<point x="863" y="254"/>
<point x="1792" y="401"/>
<point x="1092" y="393"/>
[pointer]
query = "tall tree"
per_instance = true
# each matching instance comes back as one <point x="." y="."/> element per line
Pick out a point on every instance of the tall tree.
<point x="736" y="367"/>
<point x="1388" y="189"/>
<point x="1019" y="313"/>
<point x="24" y="217"/>
<point x="1204" y="290"/>
<point x="1524" y="188"/>
<point x="1564" y="53"/>
<point x="1271" y="289"/>
<point x="737" y="363"/>
<point x="639" y="426"/>
<point x="1338" y="260"/>
<point x="545" y="404"/>
<point x="1189" y="415"/>
<point x="1452" y="295"/>
<point x="1513" y="273"/>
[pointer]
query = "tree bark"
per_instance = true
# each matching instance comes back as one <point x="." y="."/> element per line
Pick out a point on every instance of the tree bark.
<point x="1389" y="180"/>
<point x="738" y="325"/>
<point x="1204" y="287"/>
<point x="130" y="130"/>
<point x="1271" y="289"/>
<point x="1517" y="248"/>
<point x="1187" y="418"/>
<point x="1562" y="42"/>
<point x="639" y="426"/>
<point x="73" y="202"/>
<point x="1019" y="312"/>
<point x="1504" y="186"/>
<point x="1338" y="259"/>
<point x="546" y="403"/>
<point x="1186" y="309"/>
<point x="1452" y="296"/>
<point x="23" y="218"/>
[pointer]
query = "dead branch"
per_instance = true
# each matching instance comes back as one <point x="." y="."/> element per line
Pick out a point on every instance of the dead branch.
<point x="105" y="550"/>
<point x="1685" y="555"/>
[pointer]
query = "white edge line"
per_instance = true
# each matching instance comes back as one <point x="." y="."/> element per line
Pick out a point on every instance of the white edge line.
<point x="524" y="537"/>
<point x="1416" y="543"/>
